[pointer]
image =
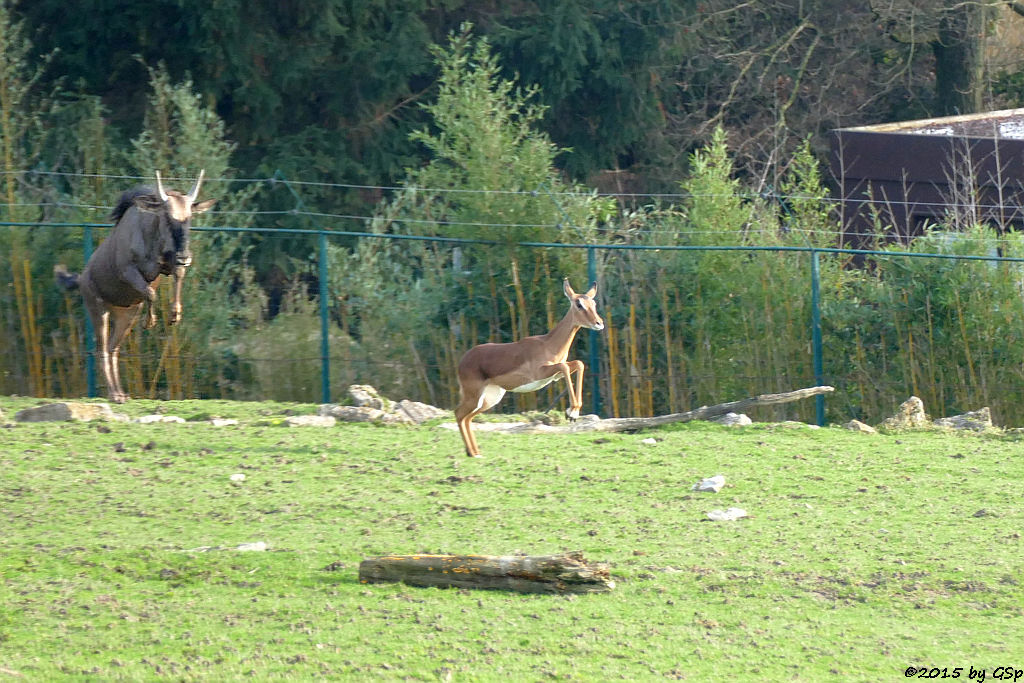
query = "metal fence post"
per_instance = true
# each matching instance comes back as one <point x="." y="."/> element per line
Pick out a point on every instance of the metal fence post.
<point x="595" y="339"/>
<point x="819" y="400"/>
<point x="90" y="337"/>
<point x="325" y="346"/>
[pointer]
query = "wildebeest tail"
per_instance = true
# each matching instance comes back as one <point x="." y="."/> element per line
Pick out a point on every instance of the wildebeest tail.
<point x="64" y="278"/>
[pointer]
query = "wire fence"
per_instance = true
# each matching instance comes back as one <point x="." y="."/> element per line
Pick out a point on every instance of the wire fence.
<point x="686" y="326"/>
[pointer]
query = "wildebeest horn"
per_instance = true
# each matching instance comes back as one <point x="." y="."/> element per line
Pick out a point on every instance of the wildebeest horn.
<point x="194" y="194"/>
<point x="160" y="187"/>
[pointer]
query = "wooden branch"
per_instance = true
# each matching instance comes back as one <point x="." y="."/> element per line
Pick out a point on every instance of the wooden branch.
<point x="626" y="424"/>
<point x="568" y="573"/>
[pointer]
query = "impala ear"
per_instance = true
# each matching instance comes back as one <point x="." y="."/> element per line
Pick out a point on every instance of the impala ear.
<point x="567" y="289"/>
<point x="592" y="292"/>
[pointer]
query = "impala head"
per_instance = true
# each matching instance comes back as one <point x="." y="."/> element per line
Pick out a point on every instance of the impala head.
<point x="583" y="308"/>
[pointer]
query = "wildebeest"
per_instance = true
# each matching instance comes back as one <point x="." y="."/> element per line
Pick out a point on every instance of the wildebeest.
<point x="150" y="238"/>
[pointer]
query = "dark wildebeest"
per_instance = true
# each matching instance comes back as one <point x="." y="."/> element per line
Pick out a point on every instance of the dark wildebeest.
<point x="150" y="238"/>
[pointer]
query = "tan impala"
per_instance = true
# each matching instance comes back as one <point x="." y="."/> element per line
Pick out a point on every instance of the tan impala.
<point x="487" y="371"/>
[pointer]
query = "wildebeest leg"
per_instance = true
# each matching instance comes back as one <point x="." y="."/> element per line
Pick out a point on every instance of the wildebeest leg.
<point x="99" y="315"/>
<point x="122" y="318"/>
<point x="150" y="305"/>
<point x="179" y="278"/>
<point x="132" y="276"/>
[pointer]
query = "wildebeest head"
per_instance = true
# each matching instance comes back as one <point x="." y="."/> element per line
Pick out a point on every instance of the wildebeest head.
<point x="175" y="210"/>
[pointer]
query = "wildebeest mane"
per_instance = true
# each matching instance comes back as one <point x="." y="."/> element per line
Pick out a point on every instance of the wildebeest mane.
<point x="128" y="198"/>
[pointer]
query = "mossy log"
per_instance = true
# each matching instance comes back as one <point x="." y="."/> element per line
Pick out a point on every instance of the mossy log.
<point x="568" y="573"/>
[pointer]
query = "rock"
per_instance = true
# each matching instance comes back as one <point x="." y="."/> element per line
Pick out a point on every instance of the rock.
<point x="150" y="419"/>
<point x="733" y="420"/>
<point x="365" y="396"/>
<point x="712" y="484"/>
<point x="222" y="422"/>
<point x="729" y="515"/>
<point x="67" y="411"/>
<point x="237" y="477"/>
<point x="977" y="420"/>
<point x="419" y="412"/>
<point x="858" y="426"/>
<point x="258" y="546"/>
<point x="649" y="441"/>
<point x="310" y="421"/>
<point x="910" y="415"/>
<point x="363" y="414"/>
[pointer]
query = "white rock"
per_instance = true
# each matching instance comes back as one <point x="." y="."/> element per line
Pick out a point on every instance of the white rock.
<point x="223" y="422"/>
<point x="310" y="421"/>
<point x="858" y="426"/>
<point x="149" y="419"/>
<point x="713" y="484"/>
<point x="727" y="515"/>
<point x="258" y="546"/>
<point x="365" y="396"/>
<point x="649" y="441"/>
<point x="419" y="412"/>
<point x="733" y="420"/>
<point x="238" y="477"/>
<point x="976" y="420"/>
<point x="67" y="411"/>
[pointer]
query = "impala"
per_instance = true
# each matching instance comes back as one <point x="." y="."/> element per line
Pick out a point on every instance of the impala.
<point x="487" y="371"/>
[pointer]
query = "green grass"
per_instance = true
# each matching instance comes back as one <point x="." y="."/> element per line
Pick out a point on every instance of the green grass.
<point x="863" y="554"/>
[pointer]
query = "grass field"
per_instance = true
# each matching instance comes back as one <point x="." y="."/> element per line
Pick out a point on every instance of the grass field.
<point x="863" y="554"/>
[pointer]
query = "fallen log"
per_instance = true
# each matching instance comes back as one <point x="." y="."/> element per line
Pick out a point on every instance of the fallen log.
<point x="628" y="424"/>
<point x="568" y="573"/>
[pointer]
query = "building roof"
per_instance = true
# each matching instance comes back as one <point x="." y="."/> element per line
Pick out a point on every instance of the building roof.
<point x="1006" y="123"/>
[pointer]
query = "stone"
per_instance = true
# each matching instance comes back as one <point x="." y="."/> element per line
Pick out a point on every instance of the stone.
<point x="858" y="426"/>
<point x="711" y="484"/>
<point x="365" y="396"/>
<point x="237" y="477"/>
<point x="310" y="421"/>
<point x="733" y="420"/>
<point x="363" y="414"/>
<point x="223" y="422"/>
<point x="649" y="441"/>
<point x="976" y="420"/>
<point x="419" y="412"/>
<point x="150" y="419"/>
<point x="730" y="515"/>
<point x="258" y="546"/>
<point x="910" y="415"/>
<point x="66" y="411"/>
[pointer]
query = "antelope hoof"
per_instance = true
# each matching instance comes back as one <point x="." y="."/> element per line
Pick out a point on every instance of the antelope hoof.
<point x="572" y="414"/>
<point x="150" y="321"/>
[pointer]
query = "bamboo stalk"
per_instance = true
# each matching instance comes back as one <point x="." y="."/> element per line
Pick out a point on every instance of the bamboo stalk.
<point x="634" y="371"/>
<point x="33" y="344"/>
<point x="963" y="333"/>
<point x="666" y="331"/>
<point x="159" y="367"/>
<point x="613" y="366"/>
<point x="648" y="318"/>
